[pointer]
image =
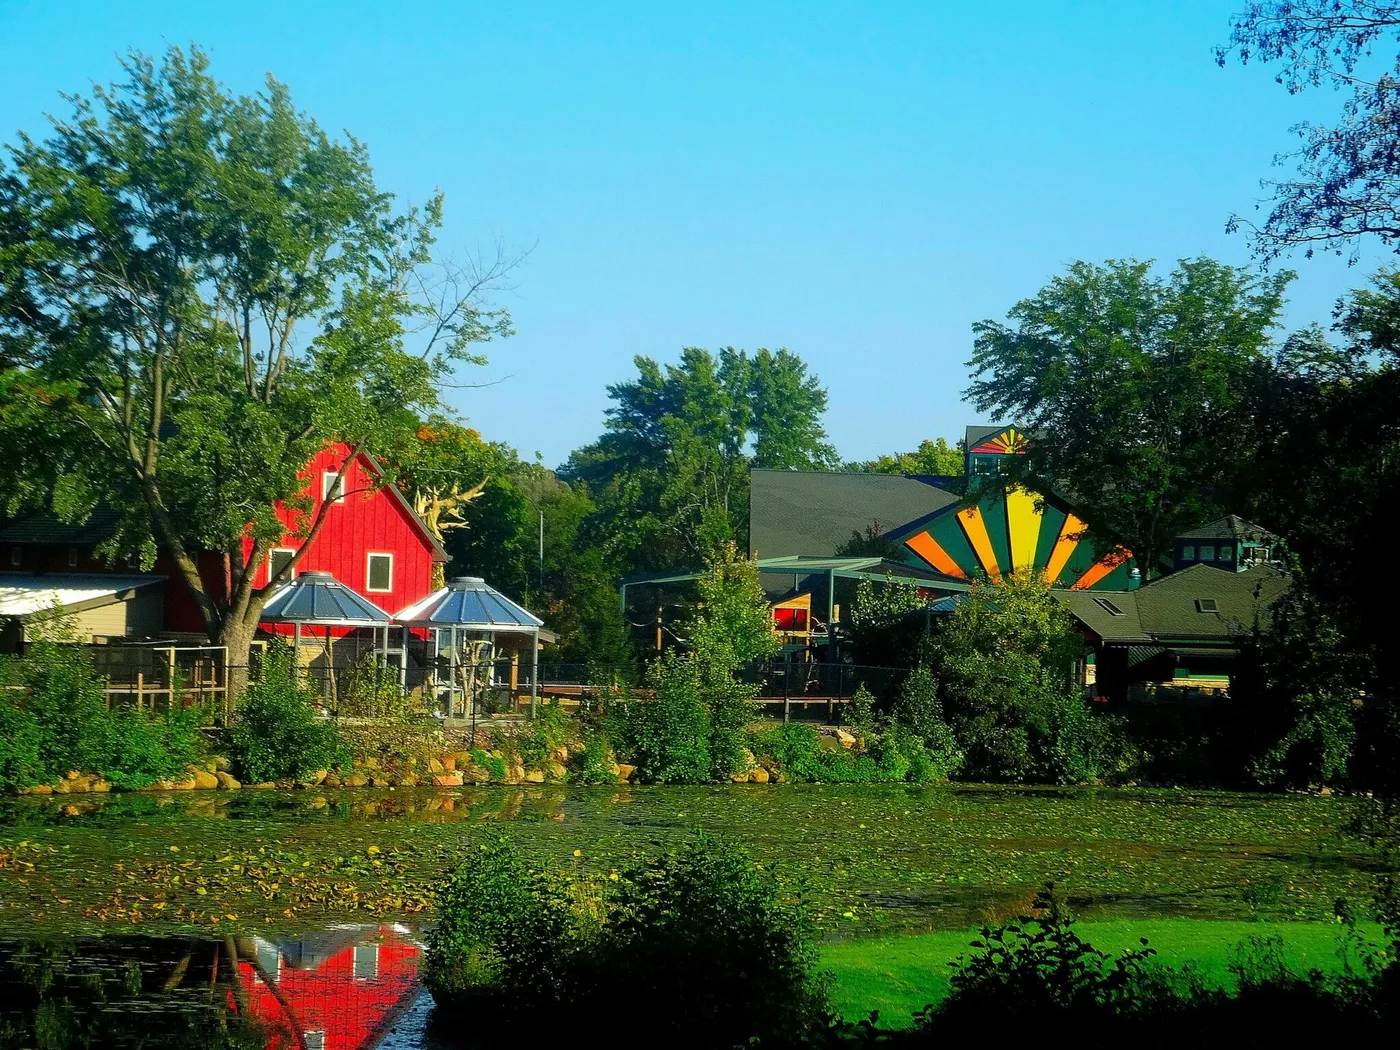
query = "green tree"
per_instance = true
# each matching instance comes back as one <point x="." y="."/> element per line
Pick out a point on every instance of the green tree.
<point x="934" y="457"/>
<point x="670" y="474"/>
<point x="1132" y="386"/>
<point x="1003" y="661"/>
<point x="201" y="290"/>
<point x="734" y="623"/>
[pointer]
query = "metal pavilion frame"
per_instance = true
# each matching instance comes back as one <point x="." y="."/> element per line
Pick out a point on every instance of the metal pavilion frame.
<point x="432" y="613"/>
<point x="282" y="608"/>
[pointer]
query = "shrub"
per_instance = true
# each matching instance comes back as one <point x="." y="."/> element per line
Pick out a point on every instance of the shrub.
<point x="595" y="762"/>
<point x="277" y="734"/>
<point x="668" y="733"/>
<point x="54" y="718"/>
<point x="700" y="948"/>
<point x="504" y="940"/>
<point x="860" y="712"/>
<point x="704" y="950"/>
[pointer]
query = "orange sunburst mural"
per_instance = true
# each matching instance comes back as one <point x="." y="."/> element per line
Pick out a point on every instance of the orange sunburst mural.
<point x="1009" y="442"/>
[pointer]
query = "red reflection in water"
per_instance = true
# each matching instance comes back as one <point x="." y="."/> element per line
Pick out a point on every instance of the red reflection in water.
<point x="337" y="989"/>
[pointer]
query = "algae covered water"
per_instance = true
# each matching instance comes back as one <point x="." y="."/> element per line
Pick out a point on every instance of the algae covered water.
<point x="868" y="858"/>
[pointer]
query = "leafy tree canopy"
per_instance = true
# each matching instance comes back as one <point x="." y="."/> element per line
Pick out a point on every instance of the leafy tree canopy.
<point x="935" y="457"/>
<point x="200" y="290"/>
<point x="1134" y="386"/>
<point x="670" y="474"/>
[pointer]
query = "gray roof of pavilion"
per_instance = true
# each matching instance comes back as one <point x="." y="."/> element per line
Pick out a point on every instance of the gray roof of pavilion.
<point x="469" y="603"/>
<point x="320" y="600"/>
<point x="874" y="569"/>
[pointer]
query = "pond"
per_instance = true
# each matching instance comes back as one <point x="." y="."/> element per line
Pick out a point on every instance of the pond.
<point x="289" y="919"/>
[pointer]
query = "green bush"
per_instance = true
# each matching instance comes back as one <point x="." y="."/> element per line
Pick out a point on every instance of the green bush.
<point x="277" y="734"/>
<point x="893" y="755"/>
<point x="700" y="949"/>
<point x="595" y="761"/>
<point x="668" y="733"/>
<point x="493" y="764"/>
<point x="54" y="719"/>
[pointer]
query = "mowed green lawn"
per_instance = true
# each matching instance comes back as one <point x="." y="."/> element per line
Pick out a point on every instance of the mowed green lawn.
<point x="898" y="975"/>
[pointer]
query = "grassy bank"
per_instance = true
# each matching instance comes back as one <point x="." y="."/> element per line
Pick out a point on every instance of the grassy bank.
<point x="898" y="975"/>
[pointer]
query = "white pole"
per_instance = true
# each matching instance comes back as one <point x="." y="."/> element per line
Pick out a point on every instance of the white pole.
<point x="534" y="671"/>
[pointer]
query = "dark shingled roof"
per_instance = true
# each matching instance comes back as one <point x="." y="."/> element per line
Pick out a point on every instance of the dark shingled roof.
<point x="794" y="512"/>
<point x="44" y="526"/>
<point x="975" y="435"/>
<point x="1170" y="607"/>
<point x="1092" y="609"/>
<point x="1230" y="527"/>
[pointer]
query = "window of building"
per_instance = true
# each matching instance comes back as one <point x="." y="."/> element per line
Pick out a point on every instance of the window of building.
<point x="366" y="961"/>
<point x="277" y="558"/>
<point x="1208" y="553"/>
<point x="1206" y="605"/>
<point x="790" y="619"/>
<point x="315" y="1040"/>
<point x="379" y="574"/>
<point x="332" y="487"/>
<point x="1188" y="553"/>
<point x="72" y="557"/>
<point x="1226" y="553"/>
<point x="14" y="557"/>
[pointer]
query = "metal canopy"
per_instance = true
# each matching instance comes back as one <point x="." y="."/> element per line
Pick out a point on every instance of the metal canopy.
<point x="318" y="599"/>
<point x="469" y="603"/>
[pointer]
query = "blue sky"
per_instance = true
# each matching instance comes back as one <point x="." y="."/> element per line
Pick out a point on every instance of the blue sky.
<point x="858" y="183"/>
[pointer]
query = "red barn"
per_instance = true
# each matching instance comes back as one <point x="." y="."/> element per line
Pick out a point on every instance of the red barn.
<point x="372" y="541"/>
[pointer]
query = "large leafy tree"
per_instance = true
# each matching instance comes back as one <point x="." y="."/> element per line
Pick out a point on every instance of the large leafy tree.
<point x="1133" y="386"/>
<point x="670" y="474"/>
<point x="1347" y="180"/>
<point x="199" y="291"/>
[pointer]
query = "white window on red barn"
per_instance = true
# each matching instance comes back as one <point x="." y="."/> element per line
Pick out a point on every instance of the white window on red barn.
<point x="379" y="572"/>
<point x="277" y="559"/>
<point x="332" y="487"/>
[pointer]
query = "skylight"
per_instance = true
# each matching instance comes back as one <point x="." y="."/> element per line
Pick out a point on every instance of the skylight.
<point x="1206" y="605"/>
<point x="1108" y="607"/>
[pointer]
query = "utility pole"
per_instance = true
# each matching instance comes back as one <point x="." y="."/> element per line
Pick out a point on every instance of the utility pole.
<point x="541" y="552"/>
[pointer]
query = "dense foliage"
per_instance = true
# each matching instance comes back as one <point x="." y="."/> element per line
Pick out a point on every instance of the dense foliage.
<point x="54" y="720"/>
<point x="278" y="734"/>
<point x="699" y="948"/>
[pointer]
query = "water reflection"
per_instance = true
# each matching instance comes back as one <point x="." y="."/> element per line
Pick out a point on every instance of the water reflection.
<point x="341" y="988"/>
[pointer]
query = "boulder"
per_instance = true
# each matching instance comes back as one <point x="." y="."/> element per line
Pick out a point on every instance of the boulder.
<point x="845" y="739"/>
<point x="222" y="765"/>
<point x="266" y="785"/>
<point x="185" y="785"/>
<point x="476" y="775"/>
<point x="740" y="778"/>
<point x="79" y="785"/>
<point x="318" y="778"/>
<point x="406" y="780"/>
<point x="226" y="781"/>
<point x="560" y="754"/>
<point x="37" y="789"/>
<point x="369" y="762"/>
<point x="556" y="770"/>
<point x="758" y="776"/>
<point x="449" y="764"/>
<point x="72" y="774"/>
<point x="203" y="780"/>
<point x="101" y="786"/>
<point x="434" y="766"/>
<point x="332" y="781"/>
<point x="446" y="780"/>
<point x="355" y="780"/>
<point x="535" y="776"/>
<point x="61" y="787"/>
<point x="624" y="771"/>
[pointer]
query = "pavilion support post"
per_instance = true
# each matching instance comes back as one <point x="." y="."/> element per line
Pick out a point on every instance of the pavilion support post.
<point x="534" y="671"/>
<point x="452" y="672"/>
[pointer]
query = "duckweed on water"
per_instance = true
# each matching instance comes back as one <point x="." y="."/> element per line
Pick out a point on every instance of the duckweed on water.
<point x="872" y="858"/>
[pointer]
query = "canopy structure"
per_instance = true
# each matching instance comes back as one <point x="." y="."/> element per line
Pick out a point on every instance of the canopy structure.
<point x="318" y="599"/>
<point x="468" y="605"/>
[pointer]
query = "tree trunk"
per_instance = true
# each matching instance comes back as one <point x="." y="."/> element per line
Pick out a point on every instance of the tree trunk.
<point x="237" y="638"/>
